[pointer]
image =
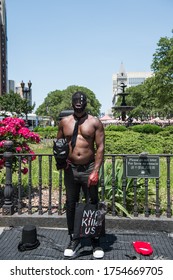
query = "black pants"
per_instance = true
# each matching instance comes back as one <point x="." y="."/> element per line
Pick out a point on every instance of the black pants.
<point x="75" y="179"/>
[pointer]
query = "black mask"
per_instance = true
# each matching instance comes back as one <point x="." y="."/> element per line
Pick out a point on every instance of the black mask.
<point x="79" y="102"/>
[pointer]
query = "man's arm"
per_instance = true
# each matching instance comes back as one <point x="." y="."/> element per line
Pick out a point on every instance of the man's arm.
<point x="60" y="133"/>
<point x="100" y="141"/>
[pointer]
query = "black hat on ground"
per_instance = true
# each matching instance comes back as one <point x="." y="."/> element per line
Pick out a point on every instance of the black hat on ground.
<point x="29" y="239"/>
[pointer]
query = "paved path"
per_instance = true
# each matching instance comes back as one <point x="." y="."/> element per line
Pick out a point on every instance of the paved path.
<point x="117" y="245"/>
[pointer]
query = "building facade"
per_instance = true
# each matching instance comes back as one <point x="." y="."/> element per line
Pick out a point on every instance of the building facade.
<point x="26" y="94"/>
<point x="11" y="86"/>
<point x="128" y="78"/>
<point x="3" y="49"/>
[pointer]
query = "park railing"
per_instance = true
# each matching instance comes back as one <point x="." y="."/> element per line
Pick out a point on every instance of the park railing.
<point x="134" y="185"/>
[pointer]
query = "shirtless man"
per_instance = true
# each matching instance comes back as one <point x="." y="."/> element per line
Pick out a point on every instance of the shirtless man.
<point x="85" y="135"/>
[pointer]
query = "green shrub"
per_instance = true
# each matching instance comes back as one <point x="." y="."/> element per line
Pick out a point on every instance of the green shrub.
<point x="46" y="128"/>
<point x="164" y="133"/>
<point x="167" y="146"/>
<point x="48" y="132"/>
<point x="38" y="129"/>
<point x="126" y="142"/>
<point x="113" y="127"/>
<point x="50" y="128"/>
<point x="146" y="128"/>
<point x="168" y="129"/>
<point x="129" y="141"/>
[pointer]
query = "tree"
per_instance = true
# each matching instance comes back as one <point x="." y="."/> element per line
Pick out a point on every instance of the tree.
<point x="144" y="98"/>
<point x="15" y="104"/>
<point x="155" y="95"/>
<point x="59" y="100"/>
<point x="163" y="72"/>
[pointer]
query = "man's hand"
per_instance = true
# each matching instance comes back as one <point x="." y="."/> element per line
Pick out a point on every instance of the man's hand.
<point x="62" y="164"/>
<point x="93" y="178"/>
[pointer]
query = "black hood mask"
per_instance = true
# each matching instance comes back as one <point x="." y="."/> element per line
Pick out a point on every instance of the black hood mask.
<point x="79" y="102"/>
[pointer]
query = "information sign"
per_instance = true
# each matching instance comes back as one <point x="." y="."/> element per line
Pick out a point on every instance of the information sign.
<point x="143" y="166"/>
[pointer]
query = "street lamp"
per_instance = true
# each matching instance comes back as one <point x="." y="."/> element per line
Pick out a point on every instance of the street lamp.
<point x="26" y="91"/>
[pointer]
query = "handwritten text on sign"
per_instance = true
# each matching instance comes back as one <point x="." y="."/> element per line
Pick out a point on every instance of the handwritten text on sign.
<point x="90" y="221"/>
<point x="143" y="167"/>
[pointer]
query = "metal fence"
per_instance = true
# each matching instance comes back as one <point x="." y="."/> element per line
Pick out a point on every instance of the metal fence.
<point x="139" y="185"/>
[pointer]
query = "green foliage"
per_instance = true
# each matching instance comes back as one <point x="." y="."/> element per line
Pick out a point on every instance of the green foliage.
<point x="39" y="129"/>
<point x="59" y="100"/>
<point x="152" y="141"/>
<point x="169" y="129"/>
<point x="162" y="59"/>
<point x="35" y="168"/>
<point x="118" y="196"/>
<point x="167" y="146"/>
<point x="48" y="132"/>
<point x="123" y="142"/>
<point x="129" y="142"/>
<point x="113" y="127"/>
<point x="46" y="128"/>
<point x="147" y="128"/>
<point x="15" y="104"/>
<point x="155" y="95"/>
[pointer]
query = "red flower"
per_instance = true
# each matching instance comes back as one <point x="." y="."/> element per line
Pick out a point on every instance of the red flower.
<point x="2" y="143"/>
<point x="32" y="153"/>
<point x="24" y="131"/>
<point x="25" y="146"/>
<point x="14" y="129"/>
<point x="24" y="170"/>
<point x="24" y="160"/>
<point x="18" y="149"/>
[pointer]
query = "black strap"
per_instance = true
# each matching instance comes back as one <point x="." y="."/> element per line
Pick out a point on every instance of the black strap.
<point x="75" y="131"/>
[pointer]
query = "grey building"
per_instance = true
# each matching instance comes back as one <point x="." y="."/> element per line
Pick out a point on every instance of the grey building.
<point x="11" y="86"/>
<point x="128" y="78"/>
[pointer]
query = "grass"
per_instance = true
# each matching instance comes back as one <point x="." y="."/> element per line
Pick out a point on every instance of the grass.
<point x="43" y="148"/>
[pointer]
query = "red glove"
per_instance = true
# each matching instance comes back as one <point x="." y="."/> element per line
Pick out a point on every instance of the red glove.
<point x="93" y="178"/>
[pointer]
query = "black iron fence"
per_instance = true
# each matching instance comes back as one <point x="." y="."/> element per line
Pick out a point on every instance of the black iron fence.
<point x="134" y="185"/>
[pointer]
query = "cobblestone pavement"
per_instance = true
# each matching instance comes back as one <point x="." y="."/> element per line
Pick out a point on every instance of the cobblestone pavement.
<point x="116" y="244"/>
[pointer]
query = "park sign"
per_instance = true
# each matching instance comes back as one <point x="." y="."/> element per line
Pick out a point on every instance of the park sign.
<point x="142" y="166"/>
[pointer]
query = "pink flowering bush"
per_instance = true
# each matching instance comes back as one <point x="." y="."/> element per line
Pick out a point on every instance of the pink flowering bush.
<point x="14" y="129"/>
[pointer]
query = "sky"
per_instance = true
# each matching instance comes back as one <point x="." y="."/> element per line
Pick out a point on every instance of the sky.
<point x="59" y="43"/>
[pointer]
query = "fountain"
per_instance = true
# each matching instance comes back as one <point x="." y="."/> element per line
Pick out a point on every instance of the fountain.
<point x="123" y="108"/>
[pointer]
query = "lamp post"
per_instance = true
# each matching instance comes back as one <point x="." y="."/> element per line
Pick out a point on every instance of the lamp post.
<point x="26" y="91"/>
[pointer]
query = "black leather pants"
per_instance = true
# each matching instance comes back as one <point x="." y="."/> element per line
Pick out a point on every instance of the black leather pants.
<point x="75" y="180"/>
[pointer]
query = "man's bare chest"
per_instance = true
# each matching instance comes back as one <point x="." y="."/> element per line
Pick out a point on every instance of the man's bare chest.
<point x="84" y="130"/>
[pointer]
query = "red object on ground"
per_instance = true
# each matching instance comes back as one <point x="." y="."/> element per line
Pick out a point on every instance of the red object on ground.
<point x="143" y="248"/>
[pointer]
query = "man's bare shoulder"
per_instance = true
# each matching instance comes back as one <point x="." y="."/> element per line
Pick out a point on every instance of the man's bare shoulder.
<point x="67" y="119"/>
<point x="94" y="120"/>
<point x="91" y="117"/>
